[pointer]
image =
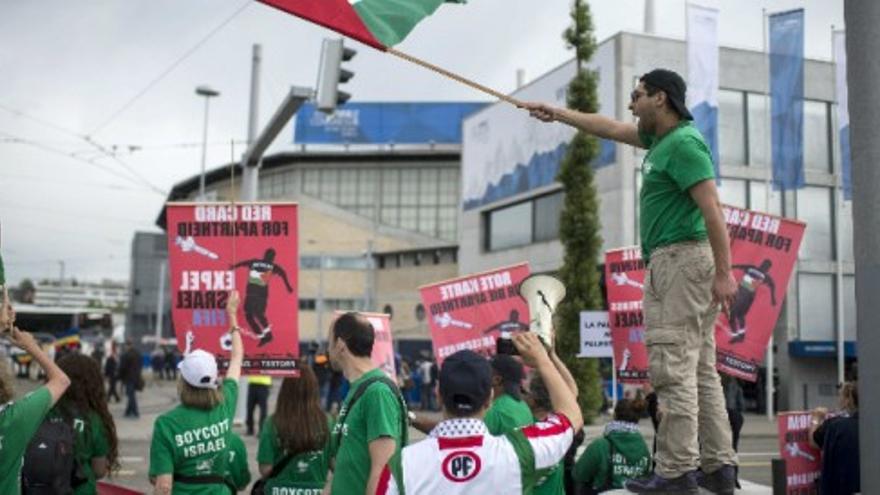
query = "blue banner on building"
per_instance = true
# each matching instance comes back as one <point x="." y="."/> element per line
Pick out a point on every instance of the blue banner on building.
<point x="383" y="123"/>
<point x="787" y="94"/>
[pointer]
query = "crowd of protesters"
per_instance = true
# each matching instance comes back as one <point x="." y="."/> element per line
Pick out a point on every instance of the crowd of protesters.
<point x="508" y="424"/>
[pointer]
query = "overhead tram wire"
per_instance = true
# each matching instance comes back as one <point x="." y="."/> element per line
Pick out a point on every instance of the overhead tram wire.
<point x="170" y="69"/>
<point x="75" y="155"/>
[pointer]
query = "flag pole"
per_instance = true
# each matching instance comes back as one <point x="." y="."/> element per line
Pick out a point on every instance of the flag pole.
<point x="455" y="77"/>
<point x="768" y="385"/>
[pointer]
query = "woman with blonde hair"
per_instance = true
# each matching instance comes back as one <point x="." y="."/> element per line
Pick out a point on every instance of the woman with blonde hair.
<point x="293" y="454"/>
<point x="191" y="443"/>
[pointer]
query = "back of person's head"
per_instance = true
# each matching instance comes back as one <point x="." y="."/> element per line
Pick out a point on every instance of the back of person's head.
<point x="299" y="420"/>
<point x="539" y="396"/>
<point x="630" y="410"/>
<point x="86" y="395"/>
<point x="465" y="384"/>
<point x="7" y="391"/>
<point x="356" y="333"/>
<point x="198" y="386"/>
<point x="508" y="373"/>
<point x="849" y="396"/>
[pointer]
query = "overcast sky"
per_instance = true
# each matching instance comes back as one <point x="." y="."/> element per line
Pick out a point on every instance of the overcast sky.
<point x="70" y="69"/>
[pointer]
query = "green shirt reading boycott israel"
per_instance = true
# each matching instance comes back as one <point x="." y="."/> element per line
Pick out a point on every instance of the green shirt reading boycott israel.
<point x="675" y="162"/>
<point x="194" y="442"/>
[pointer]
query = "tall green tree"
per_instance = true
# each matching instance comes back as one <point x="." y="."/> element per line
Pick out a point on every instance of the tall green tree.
<point x="579" y="227"/>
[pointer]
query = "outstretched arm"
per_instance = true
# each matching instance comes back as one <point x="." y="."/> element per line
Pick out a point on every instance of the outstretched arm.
<point x="772" y="286"/>
<point x="241" y="264"/>
<point x="277" y="270"/>
<point x="591" y="123"/>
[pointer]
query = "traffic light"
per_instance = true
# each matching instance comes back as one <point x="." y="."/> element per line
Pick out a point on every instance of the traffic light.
<point x="331" y="74"/>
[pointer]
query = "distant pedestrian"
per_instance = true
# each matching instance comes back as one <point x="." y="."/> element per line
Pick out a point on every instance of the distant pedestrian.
<point x="111" y="370"/>
<point x="734" y="401"/>
<point x="130" y="374"/>
<point x="508" y="411"/>
<point x="157" y="363"/>
<point x="257" y="397"/>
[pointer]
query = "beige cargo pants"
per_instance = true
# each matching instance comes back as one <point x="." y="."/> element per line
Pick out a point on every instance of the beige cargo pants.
<point x="680" y="336"/>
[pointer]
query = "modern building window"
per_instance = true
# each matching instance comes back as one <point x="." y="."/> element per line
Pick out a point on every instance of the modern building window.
<point x="388" y="310"/>
<point x="816" y="306"/>
<point x="731" y="127"/>
<point x="420" y="312"/>
<point x="817" y="145"/>
<point x="510" y="227"/>
<point x="733" y="192"/>
<point x="758" y="131"/>
<point x="547" y="210"/>
<point x="313" y="262"/>
<point x="534" y="220"/>
<point x="814" y="208"/>
<point x="307" y="304"/>
<point x="758" y="198"/>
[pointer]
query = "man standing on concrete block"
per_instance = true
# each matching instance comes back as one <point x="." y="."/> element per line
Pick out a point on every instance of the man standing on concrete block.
<point x="685" y="243"/>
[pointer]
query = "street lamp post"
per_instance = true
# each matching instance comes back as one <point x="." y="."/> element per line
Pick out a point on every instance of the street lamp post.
<point x="208" y="93"/>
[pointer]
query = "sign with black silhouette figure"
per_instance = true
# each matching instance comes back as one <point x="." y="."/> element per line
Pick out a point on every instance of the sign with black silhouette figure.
<point x="471" y="312"/>
<point x="763" y="250"/>
<point x="252" y="247"/>
<point x="624" y="282"/>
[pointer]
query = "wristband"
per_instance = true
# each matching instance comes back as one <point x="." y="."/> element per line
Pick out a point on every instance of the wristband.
<point x="234" y="329"/>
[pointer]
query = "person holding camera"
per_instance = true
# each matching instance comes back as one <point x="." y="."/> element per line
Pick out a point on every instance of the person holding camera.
<point x="461" y="456"/>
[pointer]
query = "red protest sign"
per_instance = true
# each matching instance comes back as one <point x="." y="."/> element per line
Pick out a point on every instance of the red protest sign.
<point x="763" y="251"/>
<point x="383" y="343"/>
<point x="252" y="247"/>
<point x="624" y="281"/>
<point x="471" y="311"/>
<point x="802" y="461"/>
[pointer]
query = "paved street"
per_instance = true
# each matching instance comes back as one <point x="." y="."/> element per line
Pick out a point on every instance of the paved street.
<point x="757" y="444"/>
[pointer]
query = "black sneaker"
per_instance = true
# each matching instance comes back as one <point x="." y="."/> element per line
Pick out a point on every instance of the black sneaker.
<point x="738" y="337"/>
<point x="685" y="484"/>
<point x="720" y="482"/>
<point x="265" y="339"/>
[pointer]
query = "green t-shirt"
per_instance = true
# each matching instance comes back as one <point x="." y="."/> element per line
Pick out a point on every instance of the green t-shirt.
<point x="376" y="414"/>
<point x="675" y="162"/>
<point x="194" y="442"/>
<point x="507" y="414"/>
<point x="19" y="421"/>
<point x="91" y="442"/>
<point x="306" y="471"/>
<point x="237" y="468"/>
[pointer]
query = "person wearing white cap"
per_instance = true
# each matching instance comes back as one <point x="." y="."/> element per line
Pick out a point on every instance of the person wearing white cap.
<point x="190" y="446"/>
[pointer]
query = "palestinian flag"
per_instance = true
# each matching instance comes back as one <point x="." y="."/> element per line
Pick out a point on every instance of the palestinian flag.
<point x="378" y="23"/>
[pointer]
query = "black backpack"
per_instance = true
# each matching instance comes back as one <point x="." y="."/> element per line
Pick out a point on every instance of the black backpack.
<point x="50" y="465"/>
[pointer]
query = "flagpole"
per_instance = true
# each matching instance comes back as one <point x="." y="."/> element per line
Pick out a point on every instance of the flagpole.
<point x="838" y="196"/>
<point x="455" y="77"/>
<point x="768" y="386"/>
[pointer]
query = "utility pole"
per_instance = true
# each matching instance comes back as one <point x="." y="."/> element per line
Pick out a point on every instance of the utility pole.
<point x="863" y="72"/>
<point x="251" y="171"/>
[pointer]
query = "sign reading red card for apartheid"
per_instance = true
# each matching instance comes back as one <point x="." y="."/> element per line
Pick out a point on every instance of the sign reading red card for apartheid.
<point x="802" y="461"/>
<point x="252" y="247"/>
<point x="470" y="312"/>
<point x="763" y="251"/>
<point x="624" y="281"/>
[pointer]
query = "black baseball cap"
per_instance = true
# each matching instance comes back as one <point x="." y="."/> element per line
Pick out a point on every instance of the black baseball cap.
<point x="511" y="372"/>
<point x="673" y="85"/>
<point x="465" y="382"/>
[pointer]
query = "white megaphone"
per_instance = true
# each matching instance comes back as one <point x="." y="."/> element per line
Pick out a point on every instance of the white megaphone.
<point x="542" y="293"/>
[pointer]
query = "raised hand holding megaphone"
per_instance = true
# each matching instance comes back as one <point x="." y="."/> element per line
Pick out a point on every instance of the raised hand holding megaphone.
<point x="542" y="293"/>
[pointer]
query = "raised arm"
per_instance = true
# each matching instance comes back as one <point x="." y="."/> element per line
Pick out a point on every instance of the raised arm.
<point x="237" y="354"/>
<point x="562" y="398"/>
<point x="57" y="382"/>
<point x="591" y="123"/>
